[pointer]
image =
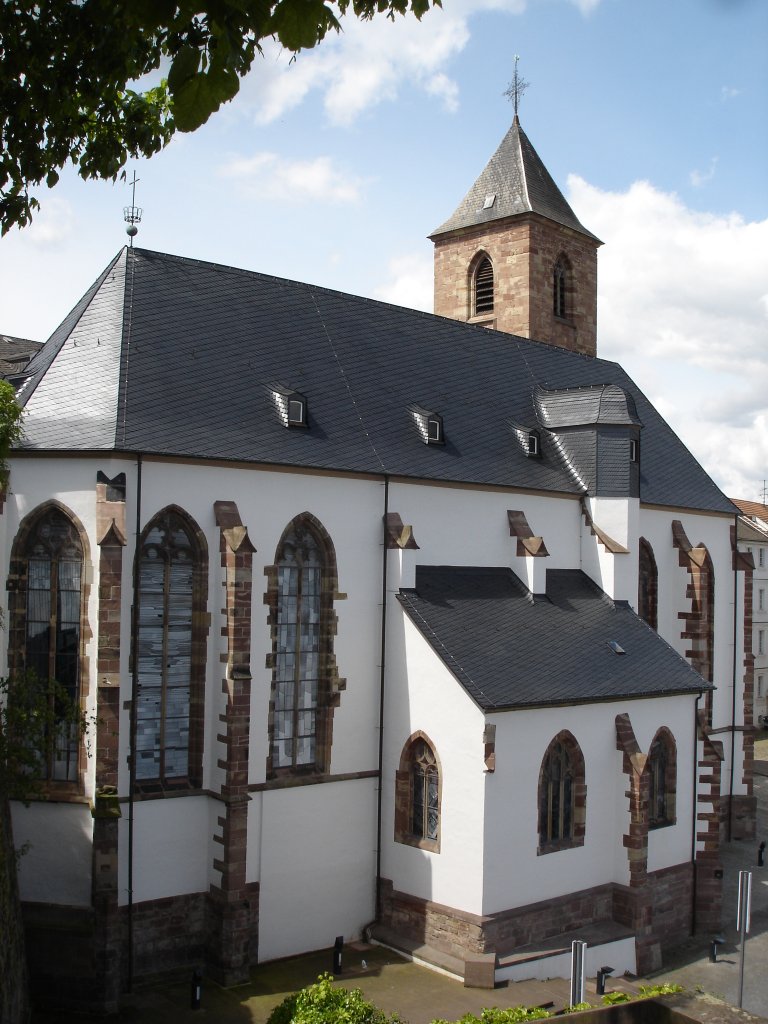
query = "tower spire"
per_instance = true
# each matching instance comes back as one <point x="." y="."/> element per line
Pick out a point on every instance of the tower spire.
<point x="132" y="214"/>
<point x="516" y="88"/>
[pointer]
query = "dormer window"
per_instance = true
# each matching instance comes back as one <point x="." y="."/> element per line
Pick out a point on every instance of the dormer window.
<point x="430" y="425"/>
<point x="634" y="450"/>
<point x="483" y="287"/>
<point x="534" y="445"/>
<point x="291" y="406"/>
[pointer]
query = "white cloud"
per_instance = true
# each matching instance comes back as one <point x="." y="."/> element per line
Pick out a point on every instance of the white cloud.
<point x="699" y="178"/>
<point x="410" y="282"/>
<point x="269" y="176"/>
<point x="729" y="92"/>
<point x="683" y="306"/>
<point x="53" y="223"/>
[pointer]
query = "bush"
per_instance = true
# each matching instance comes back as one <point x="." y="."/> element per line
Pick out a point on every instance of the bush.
<point x="322" y="1003"/>
<point x="495" y="1015"/>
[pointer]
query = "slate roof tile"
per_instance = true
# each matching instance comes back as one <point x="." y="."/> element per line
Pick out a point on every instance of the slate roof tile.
<point x="510" y="649"/>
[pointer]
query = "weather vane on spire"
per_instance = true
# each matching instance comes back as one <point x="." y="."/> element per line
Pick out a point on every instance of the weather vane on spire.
<point x="517" y="87"/>
<point x="132" y="214"/>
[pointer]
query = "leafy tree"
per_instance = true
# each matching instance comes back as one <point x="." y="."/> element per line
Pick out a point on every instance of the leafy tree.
<point x="10" y="427"/>
<point x="69" y="68"/>
<point x="322" y="1003"/>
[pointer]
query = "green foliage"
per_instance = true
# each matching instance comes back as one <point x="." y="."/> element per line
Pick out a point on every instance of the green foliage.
<point x="611" y="998"/>
<point x="576" y="1007"/>
<point x="322" y="1003"/>
<point x="67" y="69"/>
<point x="11" y="429"/>
<point x="31" y="715"/>
<point x="667" y="989"/>
<point x="497" y="1015"/>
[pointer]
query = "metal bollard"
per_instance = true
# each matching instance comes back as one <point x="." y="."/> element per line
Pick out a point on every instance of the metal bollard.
<point x="195" y="990"/>
<point x="760" y="854"/>
<point x="602" y="974"/>
<point x="337" y="947"/>
<point x="717" y="941"/>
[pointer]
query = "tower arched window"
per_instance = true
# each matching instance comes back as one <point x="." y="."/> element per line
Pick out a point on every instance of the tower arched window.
<point x="47" y="627"/>
<point x="662" y="780"/>
<point x="418" y="794"/>
<point x="560" y="288"/>
<point x="647" y="585"/>
<point x="305" y="686"/>
<point x="483" y="287"/>
<point x="171" y="653"/>
<point x="562" y="795"/>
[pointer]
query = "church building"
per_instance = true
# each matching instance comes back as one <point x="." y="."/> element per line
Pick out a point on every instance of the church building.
<point x="422" y="629"/>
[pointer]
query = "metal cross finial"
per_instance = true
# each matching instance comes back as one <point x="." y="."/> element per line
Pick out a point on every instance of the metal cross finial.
<point x="517" y="87"/>
<point x="132" y="214"/>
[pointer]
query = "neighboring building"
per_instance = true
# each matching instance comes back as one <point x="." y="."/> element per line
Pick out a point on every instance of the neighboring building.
<point x="393" y="625"/>
<point x="15" y="353"/>
<point x="752" y="534"/>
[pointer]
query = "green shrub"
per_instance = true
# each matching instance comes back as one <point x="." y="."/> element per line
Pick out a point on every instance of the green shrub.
<point x="496" y="1015"/>
<point x="611" y="998"/>
<point x="660" y="990"/>
<point x="322" y="1003"/>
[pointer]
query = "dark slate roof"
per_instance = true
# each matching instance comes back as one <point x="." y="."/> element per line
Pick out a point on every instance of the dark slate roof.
<point x="15" y="353"/>
<point x="510" y="649"/>
<point x="575" y="407"/>
<point x="172" y="356"/>
<point x="520" y="183"/>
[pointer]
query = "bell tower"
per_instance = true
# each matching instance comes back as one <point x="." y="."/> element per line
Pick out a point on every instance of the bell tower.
<point x="514" y="257"/>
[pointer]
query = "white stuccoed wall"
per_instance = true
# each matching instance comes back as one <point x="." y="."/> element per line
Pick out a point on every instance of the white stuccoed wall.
<point x="57" y="865"/>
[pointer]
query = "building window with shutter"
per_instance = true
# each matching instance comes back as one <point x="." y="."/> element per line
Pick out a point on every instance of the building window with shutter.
<point x="483" y="287"/>
<point x="560" y="275"/>
<point x="171" y="653"/>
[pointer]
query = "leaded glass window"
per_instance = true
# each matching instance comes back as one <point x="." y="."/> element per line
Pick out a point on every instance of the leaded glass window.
<point x="52" y="632"/>
<point x="425" y="817"/>
<point x="167" y="563"/>
<point x="300" y="568"/>
<point x="556" y="796"/>
<point x="662" y="785"/>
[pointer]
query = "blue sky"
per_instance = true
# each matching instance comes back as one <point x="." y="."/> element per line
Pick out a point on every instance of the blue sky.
<point x="651" y="115"/>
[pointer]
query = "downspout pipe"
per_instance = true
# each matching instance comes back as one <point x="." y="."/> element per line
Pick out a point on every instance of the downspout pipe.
<point x="133" y="717"/>
<point x="695" y="809"/>
<point x="382" y="676"/>
<point x="735" y="673"/>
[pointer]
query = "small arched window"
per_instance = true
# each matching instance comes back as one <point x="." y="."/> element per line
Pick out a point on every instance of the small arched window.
<point x="562" y="795"/>
<point x="662" y="780"/>
<point x="171" y="664"/>
<point x="305" y="685"/>
<point x="46" y="625"/>
<point x="483" y="287"/>
<point x="417" y="799"/>
<point x="560" y="288"/>
<point x="647" y="585"/>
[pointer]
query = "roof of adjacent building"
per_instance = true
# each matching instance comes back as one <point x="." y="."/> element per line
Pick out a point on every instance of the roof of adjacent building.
<point x="753" y="521"/>
<point x="514" y="181"/>
<point x="177" y="357"/>
<point x="15" y="353"/>
<point x="511" y="649"/>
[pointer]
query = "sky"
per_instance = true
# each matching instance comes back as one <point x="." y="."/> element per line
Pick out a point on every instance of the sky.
<point x="651" y="115"/>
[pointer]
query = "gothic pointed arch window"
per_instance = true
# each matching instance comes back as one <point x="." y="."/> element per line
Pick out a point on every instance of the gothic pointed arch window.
<point x="662" y="780"/>
<point x="418" y="795"/>
<point x="172" y="574"/>
<point x="562" y="795"/>
<point x="560" y="287"/>
<point x="305" y="684"/>
<point x="647" y="585"/>
<point x="48" y="626"/>
<point x="482" y="287"/>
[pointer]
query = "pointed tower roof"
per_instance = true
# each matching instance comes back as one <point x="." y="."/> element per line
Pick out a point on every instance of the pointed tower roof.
<point x="519" y="183"/>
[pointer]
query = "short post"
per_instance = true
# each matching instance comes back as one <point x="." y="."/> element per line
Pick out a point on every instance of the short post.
<point x="602" y="974"/>
<point x="761" y="855"/>
<point x="195" y="990"/>
<point x="337" y="948"/>
<point x="742" y="923"/>
<point x="578" y="953"/>
<point x="717" y="941"/>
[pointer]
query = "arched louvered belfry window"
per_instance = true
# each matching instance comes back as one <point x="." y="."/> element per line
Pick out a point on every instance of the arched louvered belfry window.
<point x="560" y="288"/>
<point x="418" y="795"/>
<point x="171" y="653"/>
<point x="483" y="287"/>
<point x="662" y="779"/>
<point x="647" y="585"/>
<point x="305" y="683"/>
<point x="46" y="625"/>
<point x="562" y="795"/>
